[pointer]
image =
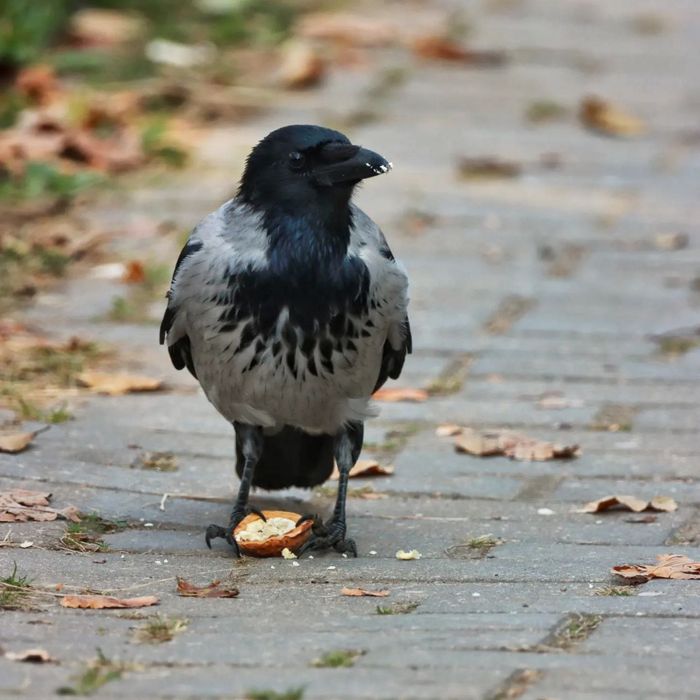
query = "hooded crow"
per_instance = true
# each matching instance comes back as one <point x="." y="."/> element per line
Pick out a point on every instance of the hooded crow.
<point x="289" y="308"/>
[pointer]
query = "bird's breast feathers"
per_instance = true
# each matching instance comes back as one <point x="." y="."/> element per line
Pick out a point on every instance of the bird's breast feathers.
<point x="302" y="346"/>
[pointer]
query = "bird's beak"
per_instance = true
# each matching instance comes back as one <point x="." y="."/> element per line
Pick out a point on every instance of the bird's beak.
<point x="345" y="163"/>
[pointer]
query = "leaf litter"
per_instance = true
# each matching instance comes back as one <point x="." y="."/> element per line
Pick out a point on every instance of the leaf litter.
<point x="669" y="566"/>
<point x="22" y="505"/>
<point x="513" y="445"/>
<point x="106" y="602"/>
<point x="363" y="468"/>
<point x="214" y="589"/>
<point x="659" y="503"/>
<point x="361" y="592"/>
<point x="393" y="395"/>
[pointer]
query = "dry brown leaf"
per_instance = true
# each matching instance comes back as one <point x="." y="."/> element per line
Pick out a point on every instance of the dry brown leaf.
<point x="15" y="442"/>
<point x="105" y="602"/>
<point x="348" y="29"/>
<point x="675" y="566"/>
<point x="400" y="394"/>
<point x="487" y="168"/>
<point x="636" y="505"/>
<point x="364" y="467"/>
<point x="664" y="504"/>
<point x="442" y="48"/>
<point x="513" y="445"/>
<point x="134" y="272"/>
<point x="21" y="506"/>
<point x="118" y="384"/>
<point x="607" y="119"/>
<point x="32" y="656"/>
<point x="93" y="26"/>
<point x="38" y="84"/>
<point x="358" y="592"/>
<point x="448" y="430"/>
<point x="211" y="590"/>
<point x="302" y="66"/>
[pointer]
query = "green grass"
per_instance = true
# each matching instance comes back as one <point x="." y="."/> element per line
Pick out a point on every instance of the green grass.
<point x="291" y="694"/>
<point x="397" y="608"/>
<point x="85" y="536"/>
<point x="159" y="629"/>
<point x="339" y="658"/>
<point x="43" y="180"/>
<point x="99" y="672"/>
<point x="541" y="111"/>
<point x="614" y="591"/>
<point x="14" y="590"/>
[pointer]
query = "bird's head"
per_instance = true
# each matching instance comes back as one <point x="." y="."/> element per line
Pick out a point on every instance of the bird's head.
<point x="302" y="167"/>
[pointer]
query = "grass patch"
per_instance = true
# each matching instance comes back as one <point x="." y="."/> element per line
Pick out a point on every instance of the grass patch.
<point x="153" y="280"/>
<point x="99" y="672"/>
<point x="452" y="377"/>
<point x="160" y="629"/>
<point x="339" y="658"/>
<point x="394" y="440"/>
<point x="27" y="409"/>
<point x="156" y="147"/>
<point x="291" y="694"/>
<point x="475" y="548"/>
<point x="156" y="461"/>
<point x="614" y="591"/>
<point x="575" y="629"/>
<point x="676" y="346"/>
<point x="397" y="608"/>
<point x="14" y="590"/>
<point x="41" y="180"/>
<point x="614" y="418"/>
<point x="541" y="111"/>
<point x="85" y="536"/>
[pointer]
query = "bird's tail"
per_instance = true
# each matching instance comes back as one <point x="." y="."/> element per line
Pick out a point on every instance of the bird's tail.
<point x="291" y="458"/>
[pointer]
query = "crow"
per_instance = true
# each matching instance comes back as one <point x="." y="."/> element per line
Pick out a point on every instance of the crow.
<point x="289" y="308"/>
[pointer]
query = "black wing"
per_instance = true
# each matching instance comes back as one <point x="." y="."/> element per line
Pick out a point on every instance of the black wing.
<point x="393" y="358"/>
<point x="180" y="351"/>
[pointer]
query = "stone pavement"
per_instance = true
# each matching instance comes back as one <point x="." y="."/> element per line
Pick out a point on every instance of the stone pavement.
<point x="554" y="281"/>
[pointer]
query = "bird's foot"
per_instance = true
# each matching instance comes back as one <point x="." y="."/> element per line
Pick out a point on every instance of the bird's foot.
<point x="330" y="535"/>
<point x="215" y="531"/>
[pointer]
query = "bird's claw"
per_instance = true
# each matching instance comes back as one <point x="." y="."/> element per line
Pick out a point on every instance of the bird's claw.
<point x="215" y="531"/>
<point x="326" y="536"/>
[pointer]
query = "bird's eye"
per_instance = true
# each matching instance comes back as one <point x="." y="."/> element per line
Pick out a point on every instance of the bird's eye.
<point x="296" y="160"/>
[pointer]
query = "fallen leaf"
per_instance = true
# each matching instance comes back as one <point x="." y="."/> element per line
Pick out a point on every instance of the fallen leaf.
<point x="636" y="505"/>
<point x="513" y="445"/>
<point x="93" y="26"/>
<point x="16" y="442"/>
<point x="404" y="556"/>
<point x="364" y="467"/>
<point x="605" y="118"/>
<point x="32" y="656"/>
<point x="442" y="48"/>
<point x="38" y="84"/>
<point x="348" y="29"/>
<point x="118" y="384"/>
<point x="672" y="240"/>
<point x="487" y="168"/>
<point x="556" y="401"/>
<point x="664" y="504"/>
<point x="400" y="394"/>
<point x="21" y="506"/>
<point x="675" y="566"/>
<point x="358" y="592"/>
<point x="104" y="602"/>
<point x="448" y="430"/>
<point x="302" y="66"/>
<point x="211" y="590"/>
<point x="134" y="272"/>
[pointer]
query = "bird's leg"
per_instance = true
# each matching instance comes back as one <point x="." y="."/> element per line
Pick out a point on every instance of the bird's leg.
<point x="249" y="439"/>
<point x="348" y="443"/>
